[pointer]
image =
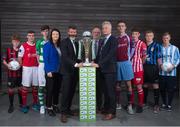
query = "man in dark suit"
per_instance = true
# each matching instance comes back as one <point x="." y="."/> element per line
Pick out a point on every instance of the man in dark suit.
<point x="97" y="43"/>
<point x="69" y="70"/>
<point x="107" y="65"/>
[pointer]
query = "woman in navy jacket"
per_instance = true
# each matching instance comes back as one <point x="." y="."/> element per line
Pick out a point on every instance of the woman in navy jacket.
<point x="52" y="59"/>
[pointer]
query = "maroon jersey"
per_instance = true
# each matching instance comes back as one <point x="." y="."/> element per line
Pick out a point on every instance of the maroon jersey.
<point x="8" y="57"/>
<point x="123" y="50"/>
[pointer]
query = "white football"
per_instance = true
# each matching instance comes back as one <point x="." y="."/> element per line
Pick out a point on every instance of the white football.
<point x="14" y="65"/>
<point x="166" y="66"/>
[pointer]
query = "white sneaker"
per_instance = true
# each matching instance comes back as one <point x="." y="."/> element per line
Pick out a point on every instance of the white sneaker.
<point x="130" y="110"/>
<point x="118" y="106"/>
<point x="42" y="110"/>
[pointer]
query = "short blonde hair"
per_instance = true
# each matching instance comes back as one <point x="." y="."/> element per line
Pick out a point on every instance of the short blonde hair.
<point x="107" y="23"/>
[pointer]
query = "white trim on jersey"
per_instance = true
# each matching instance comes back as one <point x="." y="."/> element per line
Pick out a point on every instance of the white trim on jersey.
<point x="21" y="51"/>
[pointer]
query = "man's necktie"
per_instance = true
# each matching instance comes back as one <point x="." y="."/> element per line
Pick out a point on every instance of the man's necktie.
<point x="96" y="46"/>
<point x="102" y="44"/>
<point x="74" y="46"/>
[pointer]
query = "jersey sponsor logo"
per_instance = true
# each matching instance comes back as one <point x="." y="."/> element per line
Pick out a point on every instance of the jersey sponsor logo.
<point x="152" y="49"/>
<point x="122" y="45"/>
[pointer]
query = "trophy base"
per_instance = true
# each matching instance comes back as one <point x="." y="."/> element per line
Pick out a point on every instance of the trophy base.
<point x="86" y="64"/>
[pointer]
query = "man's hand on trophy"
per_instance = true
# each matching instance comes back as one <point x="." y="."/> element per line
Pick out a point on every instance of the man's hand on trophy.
<point x="78" y="65"/>
<point x="95" y="65"/>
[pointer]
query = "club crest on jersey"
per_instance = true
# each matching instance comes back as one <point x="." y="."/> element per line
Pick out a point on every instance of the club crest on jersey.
<point x="152" y="49"/>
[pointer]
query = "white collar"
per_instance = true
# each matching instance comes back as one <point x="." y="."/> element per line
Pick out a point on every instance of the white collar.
<point x="95" y="40"/>
<point x="122" y="35"/>
<point x="107" y="37"/>
<point x="30" y="44"/>
<point x="150" y="43"/>
<point x="167" y="46"/>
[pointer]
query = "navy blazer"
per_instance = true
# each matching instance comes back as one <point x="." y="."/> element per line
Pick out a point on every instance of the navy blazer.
<point x="107" y="56"/>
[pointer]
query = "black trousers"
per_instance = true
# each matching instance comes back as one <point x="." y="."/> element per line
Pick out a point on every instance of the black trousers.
<point x="167" y="88"/>
<point x="53" y="85"/>
<point x="99" y="90"/>
<point x="109" y="87"/>
<point x="69" y="83"/>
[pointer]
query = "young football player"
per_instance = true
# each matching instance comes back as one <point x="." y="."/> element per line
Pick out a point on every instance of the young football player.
<point x="28" y="59"/>
<point x="14" y="75"/>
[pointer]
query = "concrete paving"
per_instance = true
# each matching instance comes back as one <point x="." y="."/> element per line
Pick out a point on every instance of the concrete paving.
<point x="147" y="118"/>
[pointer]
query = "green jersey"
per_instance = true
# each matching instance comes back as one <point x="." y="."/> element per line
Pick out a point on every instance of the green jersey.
<point x="39" y="48"/>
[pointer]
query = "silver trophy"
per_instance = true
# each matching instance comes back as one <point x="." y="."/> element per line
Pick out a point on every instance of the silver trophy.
<point x="86" y="42"/>
<point x="14" y="64"/>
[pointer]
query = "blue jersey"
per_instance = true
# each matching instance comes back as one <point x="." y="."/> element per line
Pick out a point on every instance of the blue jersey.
<point x="170" y="54"/>
<point x="153" y="53"/>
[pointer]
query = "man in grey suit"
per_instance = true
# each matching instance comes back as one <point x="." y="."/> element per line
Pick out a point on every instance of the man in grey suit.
<point x="97" y="43"/>
<point x="107" y="65"/>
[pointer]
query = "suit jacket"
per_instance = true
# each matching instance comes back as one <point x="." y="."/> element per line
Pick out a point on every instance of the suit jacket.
<point x="69" y="58"/>
<point x="107" y="56"/>
<point x="99" y="49"/>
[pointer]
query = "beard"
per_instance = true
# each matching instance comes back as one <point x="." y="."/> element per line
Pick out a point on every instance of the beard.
<point x="72" y="37"/>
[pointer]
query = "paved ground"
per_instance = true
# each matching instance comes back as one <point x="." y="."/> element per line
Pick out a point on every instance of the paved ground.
<point x="147" y="118"/>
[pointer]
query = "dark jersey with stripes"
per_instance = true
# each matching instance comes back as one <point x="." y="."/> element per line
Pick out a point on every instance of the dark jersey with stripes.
<point x="8" y="56"/>
<point x="153" y="53"/>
